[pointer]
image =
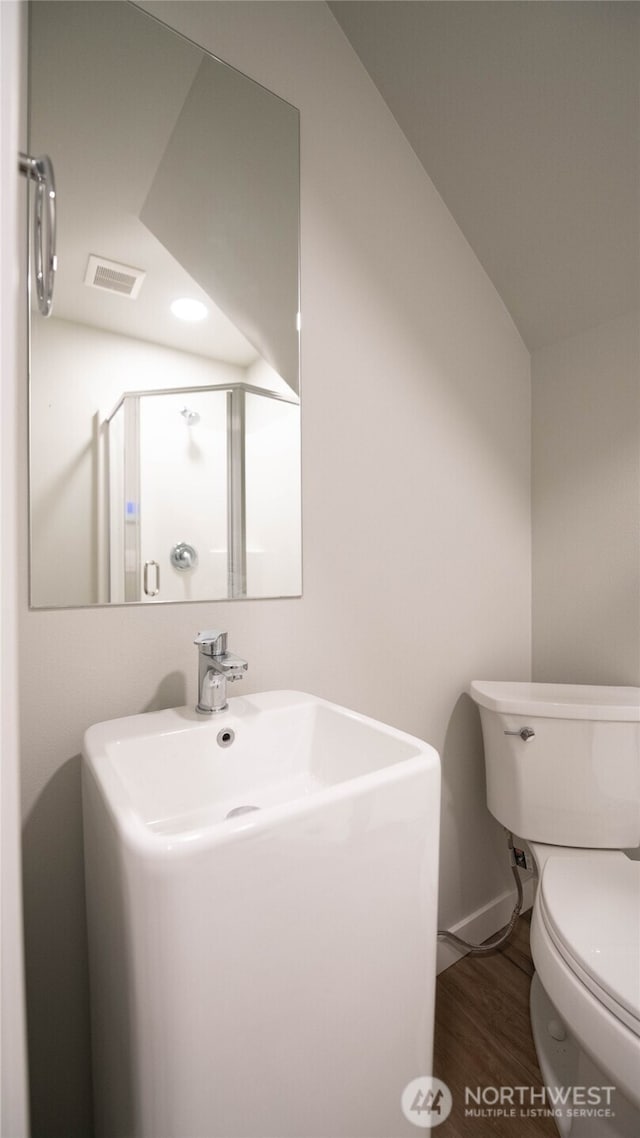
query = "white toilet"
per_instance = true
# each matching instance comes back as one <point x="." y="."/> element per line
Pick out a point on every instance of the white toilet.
<point x="563" y="773"/>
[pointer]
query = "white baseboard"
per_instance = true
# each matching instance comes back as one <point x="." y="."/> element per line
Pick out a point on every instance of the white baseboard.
<point x="484" y="923"/>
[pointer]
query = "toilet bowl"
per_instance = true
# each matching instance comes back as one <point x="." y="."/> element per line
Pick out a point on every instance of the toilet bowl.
<point x="585" y="941"/>
<point x="563" y="773"/>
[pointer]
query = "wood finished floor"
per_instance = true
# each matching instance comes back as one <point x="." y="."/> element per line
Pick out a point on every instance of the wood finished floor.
<point x="483" y="1037"/>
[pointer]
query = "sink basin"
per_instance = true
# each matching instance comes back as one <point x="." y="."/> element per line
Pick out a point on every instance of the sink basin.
<point x="261" y="898"/>
<point x="176" y="772"/>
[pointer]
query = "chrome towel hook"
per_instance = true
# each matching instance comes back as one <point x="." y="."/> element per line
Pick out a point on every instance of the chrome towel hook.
<point x="40" y="171"/>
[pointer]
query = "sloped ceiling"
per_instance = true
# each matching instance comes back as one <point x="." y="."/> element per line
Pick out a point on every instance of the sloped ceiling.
<point x="239" y="239"/>
<point x="111" y="92"/>
<point x="526" y="116"/>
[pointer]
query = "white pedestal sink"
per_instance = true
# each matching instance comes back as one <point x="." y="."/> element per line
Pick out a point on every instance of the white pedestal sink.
<point x="269" y="974"/>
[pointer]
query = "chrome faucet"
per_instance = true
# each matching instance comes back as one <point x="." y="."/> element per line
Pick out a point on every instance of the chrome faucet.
<point x="215" y="667"/>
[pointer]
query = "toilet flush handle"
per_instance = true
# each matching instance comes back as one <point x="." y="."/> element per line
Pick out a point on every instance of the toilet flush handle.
<point x="525" y="733"/>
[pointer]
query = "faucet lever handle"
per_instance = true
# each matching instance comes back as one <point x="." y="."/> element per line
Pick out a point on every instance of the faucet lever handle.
<point x="212" y="641"/>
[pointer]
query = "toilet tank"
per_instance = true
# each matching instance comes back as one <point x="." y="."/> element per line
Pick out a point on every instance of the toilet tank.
<point x="575" y="780"/>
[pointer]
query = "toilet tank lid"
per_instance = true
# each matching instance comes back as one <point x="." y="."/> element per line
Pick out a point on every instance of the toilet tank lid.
<point x="558" y="701"/>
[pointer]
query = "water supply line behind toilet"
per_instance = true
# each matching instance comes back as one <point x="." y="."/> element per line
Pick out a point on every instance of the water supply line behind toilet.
<point x="501" y="938"/>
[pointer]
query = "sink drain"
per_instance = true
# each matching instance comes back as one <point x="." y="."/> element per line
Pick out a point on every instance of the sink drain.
<point x="241" y="810"/>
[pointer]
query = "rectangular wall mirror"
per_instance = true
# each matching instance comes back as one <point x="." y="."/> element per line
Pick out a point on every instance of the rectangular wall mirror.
<point x="164" y="445"/>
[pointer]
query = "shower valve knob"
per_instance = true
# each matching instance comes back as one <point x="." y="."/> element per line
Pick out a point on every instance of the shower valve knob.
<point x="184" y="556"/>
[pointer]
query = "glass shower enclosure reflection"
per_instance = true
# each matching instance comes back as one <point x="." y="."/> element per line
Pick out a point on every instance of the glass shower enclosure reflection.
<point x="203" y="495"/>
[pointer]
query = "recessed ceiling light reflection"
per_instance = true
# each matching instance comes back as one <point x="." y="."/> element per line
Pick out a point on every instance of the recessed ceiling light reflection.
<point x="187" y="309"/>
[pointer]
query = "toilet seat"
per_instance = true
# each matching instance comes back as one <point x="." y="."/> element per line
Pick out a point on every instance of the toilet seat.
<point x="591" y="909"/>
<point x="585" y="940"/>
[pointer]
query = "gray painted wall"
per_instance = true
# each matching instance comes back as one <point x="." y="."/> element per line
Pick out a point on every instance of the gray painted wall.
<point x="586" y="506"/>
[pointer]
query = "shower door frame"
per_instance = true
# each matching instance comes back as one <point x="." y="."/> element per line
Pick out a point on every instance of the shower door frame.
<point x="236" y="484"/>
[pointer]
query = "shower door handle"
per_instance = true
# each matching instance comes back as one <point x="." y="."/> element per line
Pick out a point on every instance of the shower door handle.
<point x="148" y="565"/>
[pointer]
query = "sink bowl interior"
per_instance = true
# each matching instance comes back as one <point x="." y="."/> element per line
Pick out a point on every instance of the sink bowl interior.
<point x="178" y="770"/>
